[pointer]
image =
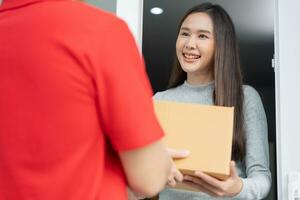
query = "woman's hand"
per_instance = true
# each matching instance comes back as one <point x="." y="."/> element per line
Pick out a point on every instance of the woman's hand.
<point x="214" y="187"/>
<point x="175" y="175"/>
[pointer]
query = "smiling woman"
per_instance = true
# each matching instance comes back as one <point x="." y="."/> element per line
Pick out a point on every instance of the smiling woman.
<point x="195" y="48"/>
<point x="207" y="71"/>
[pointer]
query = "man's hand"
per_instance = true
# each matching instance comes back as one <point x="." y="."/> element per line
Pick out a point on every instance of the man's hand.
<point x="175" y="175"/>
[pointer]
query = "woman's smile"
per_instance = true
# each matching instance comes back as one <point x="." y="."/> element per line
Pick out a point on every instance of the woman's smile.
<point x="191" y="57"/>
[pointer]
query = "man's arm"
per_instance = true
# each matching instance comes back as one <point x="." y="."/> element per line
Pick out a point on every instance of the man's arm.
<point x="147" y="168"/>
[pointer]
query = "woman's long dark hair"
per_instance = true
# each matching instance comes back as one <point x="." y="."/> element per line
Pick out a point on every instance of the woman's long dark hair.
<point x="227" y="71"/>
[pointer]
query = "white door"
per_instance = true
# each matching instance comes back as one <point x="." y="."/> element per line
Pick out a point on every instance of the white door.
<point x="287" y="71"/>
<point x="132" y="12"/>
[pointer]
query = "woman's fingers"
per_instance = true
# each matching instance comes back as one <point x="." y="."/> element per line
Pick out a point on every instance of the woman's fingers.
<point x="199" y="188"/>
<point x="229" y="187"/>
<point x="202" y="184"/>
<point x="208" y="179"/>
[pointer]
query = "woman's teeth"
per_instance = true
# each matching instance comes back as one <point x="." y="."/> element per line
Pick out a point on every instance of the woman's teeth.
<point x="191" y="56"/>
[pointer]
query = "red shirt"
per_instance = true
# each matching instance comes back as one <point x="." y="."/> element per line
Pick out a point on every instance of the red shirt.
<point x="74" y="92"/>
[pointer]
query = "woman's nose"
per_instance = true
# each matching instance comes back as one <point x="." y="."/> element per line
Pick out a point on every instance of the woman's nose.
<point x="190" y="43"/>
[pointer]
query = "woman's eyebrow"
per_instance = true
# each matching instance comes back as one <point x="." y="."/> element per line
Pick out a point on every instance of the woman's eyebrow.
<point x="204" y="31"/>
<point x="198" y="31"/>
<point x="185" y="29"/>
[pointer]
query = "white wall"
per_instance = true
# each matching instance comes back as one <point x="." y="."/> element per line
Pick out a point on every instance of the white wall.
<point x="287" y="53"/>
<point x="132" y="12"/>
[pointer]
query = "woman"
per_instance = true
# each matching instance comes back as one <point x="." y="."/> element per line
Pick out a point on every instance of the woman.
<point x="207" y="71"/>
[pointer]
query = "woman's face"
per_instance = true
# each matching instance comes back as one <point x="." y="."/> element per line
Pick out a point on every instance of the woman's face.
<point x="195" y="44"/>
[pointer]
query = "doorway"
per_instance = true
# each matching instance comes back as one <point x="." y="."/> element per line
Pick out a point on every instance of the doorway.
<point x="255" y="30"/>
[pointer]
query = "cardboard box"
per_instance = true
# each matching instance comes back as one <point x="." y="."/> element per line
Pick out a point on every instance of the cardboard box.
<point x="206" y="131"/>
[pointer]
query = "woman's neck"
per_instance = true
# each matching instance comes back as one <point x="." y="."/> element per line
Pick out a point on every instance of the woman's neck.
<point x="200" y="78"/>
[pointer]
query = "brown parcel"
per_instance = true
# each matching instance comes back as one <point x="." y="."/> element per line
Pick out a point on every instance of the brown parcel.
<point x="206" y="131"/>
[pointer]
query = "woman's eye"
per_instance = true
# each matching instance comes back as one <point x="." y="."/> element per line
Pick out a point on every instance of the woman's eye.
<point x="202" y="36"/>
<point x="184" y="34"/>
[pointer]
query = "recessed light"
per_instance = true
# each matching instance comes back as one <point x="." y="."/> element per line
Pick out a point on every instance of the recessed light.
<point x="156" y="11"/>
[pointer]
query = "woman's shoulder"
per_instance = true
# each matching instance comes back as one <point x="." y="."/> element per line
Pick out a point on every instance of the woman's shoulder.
<point x="250" y="93"/>
<point x="252" y="99"/>
<point x="169" y="94"/>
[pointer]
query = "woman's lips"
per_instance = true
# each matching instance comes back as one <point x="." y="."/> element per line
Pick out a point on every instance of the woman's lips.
<point x="189" y="57"/>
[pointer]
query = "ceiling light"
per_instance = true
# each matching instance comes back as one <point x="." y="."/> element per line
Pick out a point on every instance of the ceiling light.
<point x="156" y="11"/>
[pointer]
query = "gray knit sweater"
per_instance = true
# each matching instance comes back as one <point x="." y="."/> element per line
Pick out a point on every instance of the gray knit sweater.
<point x="254" y="170"/>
